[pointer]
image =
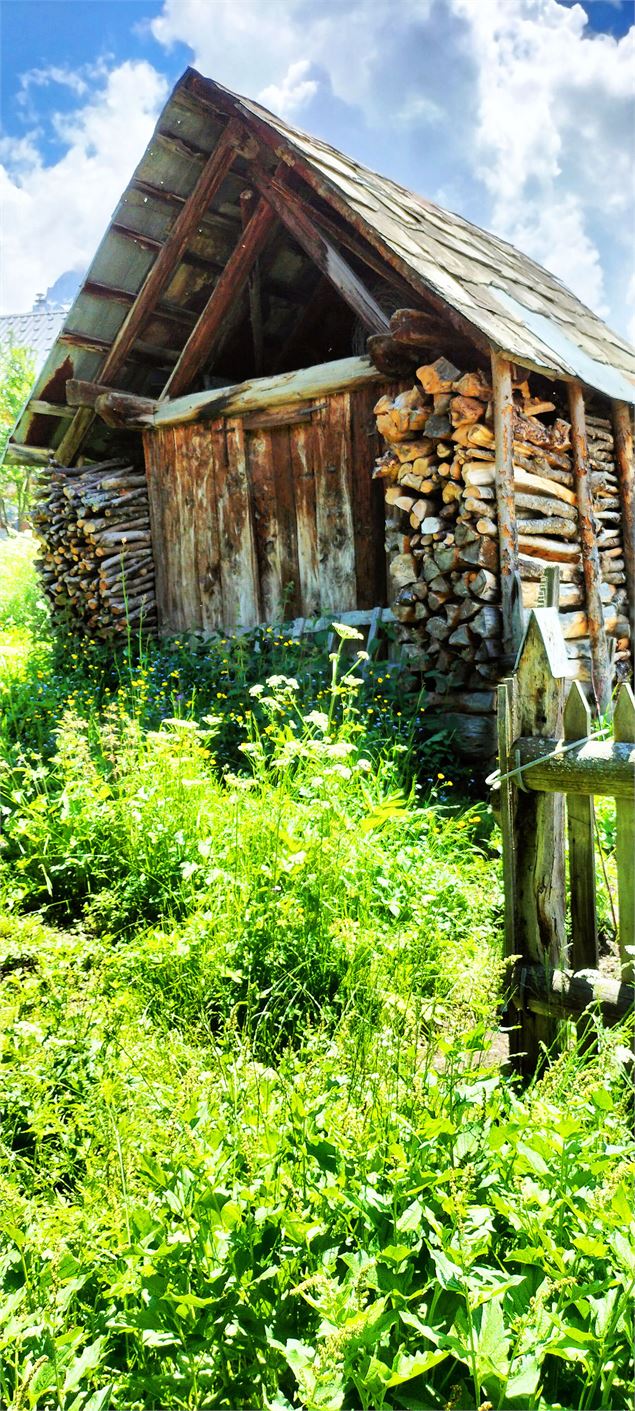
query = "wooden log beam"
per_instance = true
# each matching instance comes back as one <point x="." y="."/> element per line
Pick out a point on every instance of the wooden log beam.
<point x="567" y="993"/>
<point x="247" y="201"/>
<point x="504" y="484"/>
<point x="623" y="442"/>
<point x="40" y="408"/>
<point x="27" y="455"/>
<point x="416" y="328"/>
<point x="601" y="668"/>
<point x="167" y="259"/>
<point x="349" y="286"/>
<point x="211" y="324"/>
<point x="259" y="394"/>
<point x="597" y="767"/>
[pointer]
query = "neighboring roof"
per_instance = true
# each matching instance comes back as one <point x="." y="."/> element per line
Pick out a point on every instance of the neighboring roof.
<point x="496" y="294"/>
<point x="36" y="330"/>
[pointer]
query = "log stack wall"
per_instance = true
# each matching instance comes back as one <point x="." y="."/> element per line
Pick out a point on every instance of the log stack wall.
<point x="95" y="557"/>
<point x="442" y="534"/>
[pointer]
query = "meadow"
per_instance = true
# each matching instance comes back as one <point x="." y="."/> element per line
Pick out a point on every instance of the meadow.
<point x="257" y="1145"/>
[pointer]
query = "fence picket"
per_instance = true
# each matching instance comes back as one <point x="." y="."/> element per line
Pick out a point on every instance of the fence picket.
<point x="624" y="731"/>
<point x="580" y="829"/>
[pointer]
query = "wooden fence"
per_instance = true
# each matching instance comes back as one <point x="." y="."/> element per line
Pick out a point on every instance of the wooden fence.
<point x="549" y="751"/>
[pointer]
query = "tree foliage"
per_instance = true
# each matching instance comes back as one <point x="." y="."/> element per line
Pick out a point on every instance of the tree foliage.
<point x="17" y="372"/>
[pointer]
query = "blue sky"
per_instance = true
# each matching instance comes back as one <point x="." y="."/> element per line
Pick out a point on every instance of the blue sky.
<point x="517" y="113"/>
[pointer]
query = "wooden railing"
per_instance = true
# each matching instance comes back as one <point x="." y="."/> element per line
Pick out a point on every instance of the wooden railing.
<point x="549" y="751"/>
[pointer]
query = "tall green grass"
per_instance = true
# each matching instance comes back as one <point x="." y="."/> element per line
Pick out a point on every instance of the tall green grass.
<point x="257" y="1148"/>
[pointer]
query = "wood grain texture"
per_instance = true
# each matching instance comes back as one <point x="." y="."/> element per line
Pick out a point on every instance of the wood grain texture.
<point x="367" y="500"/>
<point x="239" y="563"/>
<point x="539" y="825"/>
<point x="623" y="434"/>
<point x="302" y="451"/>
<point x="507" y="529"/>
<point x="334" y="516"/>
<point x="624" y="731"/>
<point x="602" y="674"/>
<point x="581" y="838"/>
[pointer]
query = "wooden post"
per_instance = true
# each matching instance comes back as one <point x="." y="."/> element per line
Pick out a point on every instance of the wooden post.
<point x="507" y="531"/>
<point x="538" y="823"/>
<point x="624" y="730"/>
<point x="623" y="434"/>
<point x="580" y="825"/>
<point x="601" y="669"/>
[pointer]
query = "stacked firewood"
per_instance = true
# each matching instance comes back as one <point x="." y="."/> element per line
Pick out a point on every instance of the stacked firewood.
<point x="442" y="530"/>
<point x="95" y="551"/>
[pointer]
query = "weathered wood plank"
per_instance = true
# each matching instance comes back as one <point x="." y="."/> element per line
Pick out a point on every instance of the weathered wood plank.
<point x="507" y="528"/>
<point x="206" y="550"/>
<point x="239" y="564"/>
<point x="539" y="922"/>
<point x="623" y="441"/>
<point x="367" y="499"/>
<point x="602" y="675"/>
<point x="302" y="451"/>
<point x="262" y="473"/>
<point x="287" y="522"/>
<point x="336" y="543"/>
<point x="600" y="767"/>
<point x="155" y="457"/>
<point x="580" y="827"/>
<point x="209" y="329"/>
<point x="624" y="731"/>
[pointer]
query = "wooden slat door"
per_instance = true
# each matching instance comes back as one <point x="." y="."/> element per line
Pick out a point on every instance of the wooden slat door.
<point x="260" y="521"/>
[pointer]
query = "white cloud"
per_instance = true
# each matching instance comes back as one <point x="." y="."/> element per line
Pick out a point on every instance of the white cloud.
<point x="515" y="106"/>
<point x="553" y="137"/>
<point x="295" y="90"/>
<point x="514" y="112"/>
<point x="53" y="217"/>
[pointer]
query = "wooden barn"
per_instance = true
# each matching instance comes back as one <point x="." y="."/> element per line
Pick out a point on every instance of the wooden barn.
<point x="289" y="387"/>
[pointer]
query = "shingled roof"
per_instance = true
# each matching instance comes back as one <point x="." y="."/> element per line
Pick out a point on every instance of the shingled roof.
<point x="486" y="289"/>
<point x="36" y="331"/>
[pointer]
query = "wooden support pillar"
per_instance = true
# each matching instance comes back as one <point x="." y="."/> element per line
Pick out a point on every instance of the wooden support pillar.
<point x="600" y="663"/>
<point x="247" y="203"/>
<point x="623" y="434"/>
<point x="507" y="530"/>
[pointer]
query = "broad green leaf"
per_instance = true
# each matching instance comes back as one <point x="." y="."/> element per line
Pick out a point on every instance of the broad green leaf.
<point x="524" y="1380"/>
<point x="406" y="1366"/>
<point x="492" y="1342"/>
<point x="86" y="1362"/>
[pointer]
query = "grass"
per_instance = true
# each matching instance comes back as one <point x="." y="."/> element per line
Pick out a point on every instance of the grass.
<point x="256" y="1149"/>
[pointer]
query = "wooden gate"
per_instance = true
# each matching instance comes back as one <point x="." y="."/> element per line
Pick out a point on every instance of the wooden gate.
<point x="549" y="753"/>
<point x="268" y="516"/>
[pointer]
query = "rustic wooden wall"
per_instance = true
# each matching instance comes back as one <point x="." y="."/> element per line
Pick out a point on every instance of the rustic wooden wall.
<point x="257" y="519"/>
